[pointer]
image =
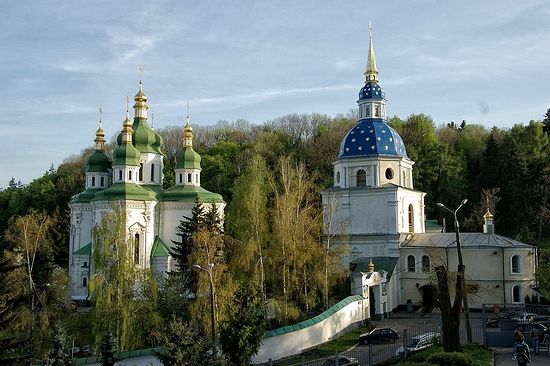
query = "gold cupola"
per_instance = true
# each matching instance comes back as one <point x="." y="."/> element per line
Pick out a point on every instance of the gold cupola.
<point x="100" y="137"/>
<point x="140" y="106"/>
<point x="370" y="266"/>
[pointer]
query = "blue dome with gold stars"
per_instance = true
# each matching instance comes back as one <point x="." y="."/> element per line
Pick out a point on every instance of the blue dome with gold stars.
<point x="372" y="137"/>
<point x="371" y="90"/>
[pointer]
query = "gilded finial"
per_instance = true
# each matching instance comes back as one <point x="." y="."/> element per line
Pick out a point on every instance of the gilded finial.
<point x="370" y="266"/>
<point x="371" y="74"/>
<point x="187" y="131"/>
<point x="100" y="134"/>
<point x="152" y="120"/>
<point x="140" y="107"/>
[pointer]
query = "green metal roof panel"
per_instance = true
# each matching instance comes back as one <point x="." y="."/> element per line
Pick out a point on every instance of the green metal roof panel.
<point x="144" y="138"/>
<point x="317" y="319"/>
<point x="85" y="250"/>
<point x="126" y="154"/>
<point x="98" y="162"/>
<point x="190" y="193"/>
<point x="84" y="197"/>
<point x="159" y="248"/>
<point x="385" y="263"/>
<point x="187" y="158"/>
<point x="127" y="191"/>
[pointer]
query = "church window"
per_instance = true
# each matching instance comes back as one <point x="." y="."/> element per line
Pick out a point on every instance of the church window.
<point x="376" y="111"/>
<point x="85" y="265"/>
<point x="360" y="112"/>
<point x="389" y="174"/>
<point x="136" y="248"/>
<point x="426" y="265"/>
<point x="337" y="177"/>
<point x="102" y="181"/>
<point x="93" y="181"/>
<point x="516" y="293"/>
<point x="181" y="178"/>
<point x="368" y="112"/>
<point x="130" y="175"/>
<point x="140" y="172"/>
<point x="515" y="264"/>
<point x="197" y="178"/>
<point x="120" y="174"/>
<point x="84" y="281"/>
<point x="361" y="178"/>
<point x="411" y="263"/>
<point x="188" y="177"/>
<point x="411" y="219"/>
<point x="152" y="172"/>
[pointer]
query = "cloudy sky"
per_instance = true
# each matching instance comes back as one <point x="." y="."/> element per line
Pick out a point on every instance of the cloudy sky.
<point x="485" y="62"/>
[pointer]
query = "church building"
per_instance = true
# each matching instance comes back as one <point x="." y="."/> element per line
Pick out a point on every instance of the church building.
<point x="134" y="180"/>
<point x="374" y="212"/>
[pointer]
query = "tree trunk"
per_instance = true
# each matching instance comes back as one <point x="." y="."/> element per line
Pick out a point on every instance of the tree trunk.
<point x="450" y="318"/>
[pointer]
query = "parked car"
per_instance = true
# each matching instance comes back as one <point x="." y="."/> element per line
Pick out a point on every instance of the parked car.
<point x="342" y="361"/>
<point x="420" y="342"/>
<point x="528" y="327"/>
<point x="379" y="335"/>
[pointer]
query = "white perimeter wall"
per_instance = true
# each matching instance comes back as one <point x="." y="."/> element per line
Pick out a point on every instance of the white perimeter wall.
<point x="292" y="343"/>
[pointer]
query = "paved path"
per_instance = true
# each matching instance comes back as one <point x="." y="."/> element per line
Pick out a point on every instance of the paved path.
<point x="503" y="357"/>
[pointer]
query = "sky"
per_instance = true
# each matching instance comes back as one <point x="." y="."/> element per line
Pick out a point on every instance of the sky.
<point x="485" y="62"/>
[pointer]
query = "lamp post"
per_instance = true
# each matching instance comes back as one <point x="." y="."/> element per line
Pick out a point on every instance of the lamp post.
<point x="212" y="304"/>
<point x="461" y="267"/>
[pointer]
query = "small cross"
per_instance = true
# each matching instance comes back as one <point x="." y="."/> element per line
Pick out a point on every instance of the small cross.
<point x="370" y="29"/>
<point x="140" y="69"/>
<point x="127" y="104"/>
<point x="100" y="116"/>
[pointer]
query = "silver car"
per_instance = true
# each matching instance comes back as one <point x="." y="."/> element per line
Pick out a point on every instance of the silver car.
<point x="420" y="342"/>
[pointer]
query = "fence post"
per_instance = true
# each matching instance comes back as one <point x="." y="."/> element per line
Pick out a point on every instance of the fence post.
<point x="484" y="324"/>
<point x="270" y="362"/>
<point x="370" y="354"/>
<point x="405" y="342"/>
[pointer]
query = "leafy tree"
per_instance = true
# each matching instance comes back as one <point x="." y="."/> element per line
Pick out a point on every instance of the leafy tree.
<point x="124" y="295"/>
<point x="241" y="335"/>
<point x="546" y="122"/>
<point x="106" y="350"/>
<point x="59" y="355"/>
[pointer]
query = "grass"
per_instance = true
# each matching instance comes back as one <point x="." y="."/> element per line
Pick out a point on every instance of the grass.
<point x="340" y="344"/>
<point x="481" y="356"/>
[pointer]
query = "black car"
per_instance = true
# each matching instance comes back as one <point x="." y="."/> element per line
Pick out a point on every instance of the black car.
<point x="342" y="361"/>
<point x="379" y="335"/>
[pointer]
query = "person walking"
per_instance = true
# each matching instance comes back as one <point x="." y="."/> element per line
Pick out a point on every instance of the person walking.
<point x="520" y="351"/>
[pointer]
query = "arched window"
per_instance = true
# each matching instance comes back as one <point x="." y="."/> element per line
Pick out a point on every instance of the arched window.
<point x="368" y="112"/>
<point x="515" y="264"/>
<point x="84" y="281"/>
<point x="93" y="181"/>
<point x="130" y="175"/>
<point x="136" y="248"/>
<point x="152" y="172"/>
<point x="188" y="177"/>
<point x="516" y="293"/>
<point x="120" y="174"/>
<point x="140" y="172"/>
<point x="411" y="263"/>
<point x="426" y="265"/>
<point x="376" y="111"/>
<point x="411" y="219"/>
<point x="181" y="178"/>
<point x="102" y="181"/>
<point x="361" y="178"/>
<point x="337" y="177"/>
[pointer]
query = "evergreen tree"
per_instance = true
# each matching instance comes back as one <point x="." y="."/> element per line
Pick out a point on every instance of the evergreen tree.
<point x="185" y="230"/>
<point x="59" y="356"/>
<point x="241" y="336"/>
<point x="106" y="350"/>
<point x="546" y="122"/>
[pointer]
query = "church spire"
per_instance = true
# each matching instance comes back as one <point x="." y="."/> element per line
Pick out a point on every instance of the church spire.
<point x="371" y="74"/>
<point x="187" y="131"/>
<point x="140" y="98"/>
<point x="100" y="134"/>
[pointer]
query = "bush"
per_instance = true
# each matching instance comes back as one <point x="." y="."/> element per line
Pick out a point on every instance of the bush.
<point x="450" y="359"/>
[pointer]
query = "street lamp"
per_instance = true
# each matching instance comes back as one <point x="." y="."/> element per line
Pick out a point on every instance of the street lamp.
<point x="212" y="304"/>
<point x="461" y="267"/>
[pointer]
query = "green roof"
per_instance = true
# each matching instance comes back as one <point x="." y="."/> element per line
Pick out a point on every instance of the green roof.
<point x="84" y="197"/>
<point x="85" y="250"/>
<point x="127" y="191"/>
<point x="312" y="321"/>
<point x="187" y="158"/>
<point x="144" y="138"/>
<point x="98" y="162"/>
<point x="159" y="248"/>
<point x="385" y="263"/>
<point x="126" y="154"/>
<point x="190" y="193"/>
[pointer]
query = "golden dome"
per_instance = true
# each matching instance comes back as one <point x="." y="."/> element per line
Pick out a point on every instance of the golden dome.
<point x="488" y="215"/>
<point x="370" y="266"/>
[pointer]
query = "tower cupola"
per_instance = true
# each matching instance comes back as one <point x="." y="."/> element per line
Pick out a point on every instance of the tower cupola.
<point x="98" y="165"/>
<point x="126" y="157"/>
<point x="188" y="161"/>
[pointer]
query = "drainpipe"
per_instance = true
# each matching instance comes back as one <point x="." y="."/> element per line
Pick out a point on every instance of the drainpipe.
<point x="503" y="280"/>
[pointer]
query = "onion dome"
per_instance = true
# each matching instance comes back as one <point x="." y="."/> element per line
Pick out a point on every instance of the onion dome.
<point x="372" y="137"/>
<point x="126" y="153"/>
<point x="188" y="158"/>
<point x="144" y="138"/>
<point x="488" y="215"/>
<point x="98" y="162"/>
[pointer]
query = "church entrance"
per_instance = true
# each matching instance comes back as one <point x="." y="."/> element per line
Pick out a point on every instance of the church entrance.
<point x="430" y="297"/>
<point x="372" y="303"/>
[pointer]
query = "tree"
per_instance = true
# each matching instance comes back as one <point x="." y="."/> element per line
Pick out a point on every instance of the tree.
<point x="185" y="230"/>
<point x="241" y="335"/>
<point x="106" y="350"/>
<point x="546" y="122"/>
<point x="59" y="355"/>
<point x="124" y="295"/>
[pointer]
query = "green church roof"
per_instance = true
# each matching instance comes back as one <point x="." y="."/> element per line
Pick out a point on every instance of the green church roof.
<point x="85" y="250"/>
<point x="126" y="154"/>
<point x="190" y="193"/>
<point x="98" y="162"/>
<point x="84" y="197"/>
<point x="187" y="158"/>
<point x="385" y="263"/>
<point x="144" y="138"/>
<point x="127" y="191"/>
<point x="159" y="248"/>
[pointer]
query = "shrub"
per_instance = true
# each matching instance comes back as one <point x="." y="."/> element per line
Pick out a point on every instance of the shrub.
<point x="450" y="359"/>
